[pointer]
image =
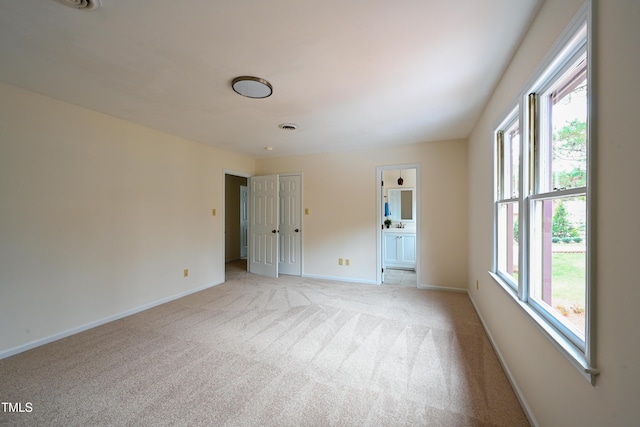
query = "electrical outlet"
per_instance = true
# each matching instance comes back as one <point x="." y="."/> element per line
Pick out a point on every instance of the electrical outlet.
<point x="340" y="260"/>
<point x="346" y="262"/>
<point x="186" y="272"/>
<point x="213" y="212"/>
<point x="306" y="211"/>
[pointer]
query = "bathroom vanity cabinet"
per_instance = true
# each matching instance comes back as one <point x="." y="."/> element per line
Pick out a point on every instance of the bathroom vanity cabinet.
<point x="400" y="249"/>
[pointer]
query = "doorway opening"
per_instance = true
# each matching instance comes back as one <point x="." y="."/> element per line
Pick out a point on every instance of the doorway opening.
<point x="262" y="224"/>
<point x="235" y="222"/>
<point x="398" y="201"/>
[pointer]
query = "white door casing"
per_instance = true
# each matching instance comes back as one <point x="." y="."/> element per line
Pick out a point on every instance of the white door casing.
<point x="263" y="225"/>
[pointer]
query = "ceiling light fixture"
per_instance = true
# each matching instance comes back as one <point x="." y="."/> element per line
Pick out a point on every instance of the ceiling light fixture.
<point x="81" y="4"/>
<point x="252" y="87"/>
<point x="288" y="126"/>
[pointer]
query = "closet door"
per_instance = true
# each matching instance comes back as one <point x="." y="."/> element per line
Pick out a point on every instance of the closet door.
<point x="290" y="249"/>
<point x="263" y="225"/>
<point x="244" y="221"/>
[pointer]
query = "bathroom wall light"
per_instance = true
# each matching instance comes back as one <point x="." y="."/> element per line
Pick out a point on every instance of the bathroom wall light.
<point x="252" y="87"/>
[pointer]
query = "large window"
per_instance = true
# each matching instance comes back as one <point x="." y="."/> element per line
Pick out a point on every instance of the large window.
<point x="542" y="195"/>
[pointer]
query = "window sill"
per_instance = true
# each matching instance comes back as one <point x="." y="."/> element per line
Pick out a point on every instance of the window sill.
<point x="566" y="347"/>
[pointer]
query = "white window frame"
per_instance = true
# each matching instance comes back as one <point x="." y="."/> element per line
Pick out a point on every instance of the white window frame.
<point x="575" y="40"/>
<point x="500" y="198"/>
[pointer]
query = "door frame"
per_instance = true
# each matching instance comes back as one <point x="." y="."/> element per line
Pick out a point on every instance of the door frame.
<point x="226" y="172"/>
<point x="379" y="217"/>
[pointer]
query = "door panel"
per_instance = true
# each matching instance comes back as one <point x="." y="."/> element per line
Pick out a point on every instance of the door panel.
<point x="244" y="220"/>
<point x="263" y="225"/>
<point x="290" y="225"/>
<point x="391" y="253"/>
<point x="409" y="248"/>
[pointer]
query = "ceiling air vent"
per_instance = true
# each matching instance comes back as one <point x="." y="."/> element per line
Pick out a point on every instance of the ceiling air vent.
<point x="288" y="126"/>
<point x="81" y="4"/>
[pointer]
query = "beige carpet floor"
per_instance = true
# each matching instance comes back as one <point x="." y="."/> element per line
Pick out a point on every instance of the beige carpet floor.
<point x="275" y="352"/>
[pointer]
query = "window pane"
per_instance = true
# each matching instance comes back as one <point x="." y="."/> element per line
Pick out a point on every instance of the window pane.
<point x="564" y="134"/>
<point x="558" y="259"/>
<point x="508" y="239"/>
<point x="511" y="162"/>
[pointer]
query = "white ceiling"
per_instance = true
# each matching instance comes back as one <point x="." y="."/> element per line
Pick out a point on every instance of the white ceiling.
<point x="350" y="74"/>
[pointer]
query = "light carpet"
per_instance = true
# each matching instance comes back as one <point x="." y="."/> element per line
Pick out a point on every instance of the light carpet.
<point x="256" y="351"/>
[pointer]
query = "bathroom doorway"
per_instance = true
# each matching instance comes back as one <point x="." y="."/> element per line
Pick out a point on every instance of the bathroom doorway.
<point x="398" y="202"/>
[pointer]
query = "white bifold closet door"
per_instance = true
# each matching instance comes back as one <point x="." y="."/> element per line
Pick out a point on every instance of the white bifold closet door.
<point x="275" y="225"/>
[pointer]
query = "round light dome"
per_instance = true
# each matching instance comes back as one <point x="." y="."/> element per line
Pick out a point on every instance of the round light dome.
<point x="252" y="87"/>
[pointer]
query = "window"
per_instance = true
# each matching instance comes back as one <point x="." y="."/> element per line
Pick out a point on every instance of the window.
<point x="508" y="200"/>
<point x="542" y="195"/>
<point x="558" y="198"/>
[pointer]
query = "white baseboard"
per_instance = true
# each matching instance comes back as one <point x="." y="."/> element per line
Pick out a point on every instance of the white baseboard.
<point x="340" y="279"/>
<point x="523" y="402"/>
<point x="442" y="288"/>
<point x="46" y="340"/>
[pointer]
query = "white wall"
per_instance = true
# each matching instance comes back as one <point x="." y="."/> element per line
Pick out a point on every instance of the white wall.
<point x="553" y="389"/>
<point x="390" y="178"/>
<point x="99" y="216"/>
<point x="339" y="189"/>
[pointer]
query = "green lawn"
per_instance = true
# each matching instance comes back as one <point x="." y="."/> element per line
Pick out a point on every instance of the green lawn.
<point x="568" y="275"/>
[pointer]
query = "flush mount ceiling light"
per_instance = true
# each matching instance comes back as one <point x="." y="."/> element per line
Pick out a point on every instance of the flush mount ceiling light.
<point x="288" y="126"/>
<point x="252" y="87"/>
<point x="81" y="4"/>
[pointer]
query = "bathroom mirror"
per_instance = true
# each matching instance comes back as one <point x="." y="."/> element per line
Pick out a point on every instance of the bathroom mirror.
<point x="402" y="204"/>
